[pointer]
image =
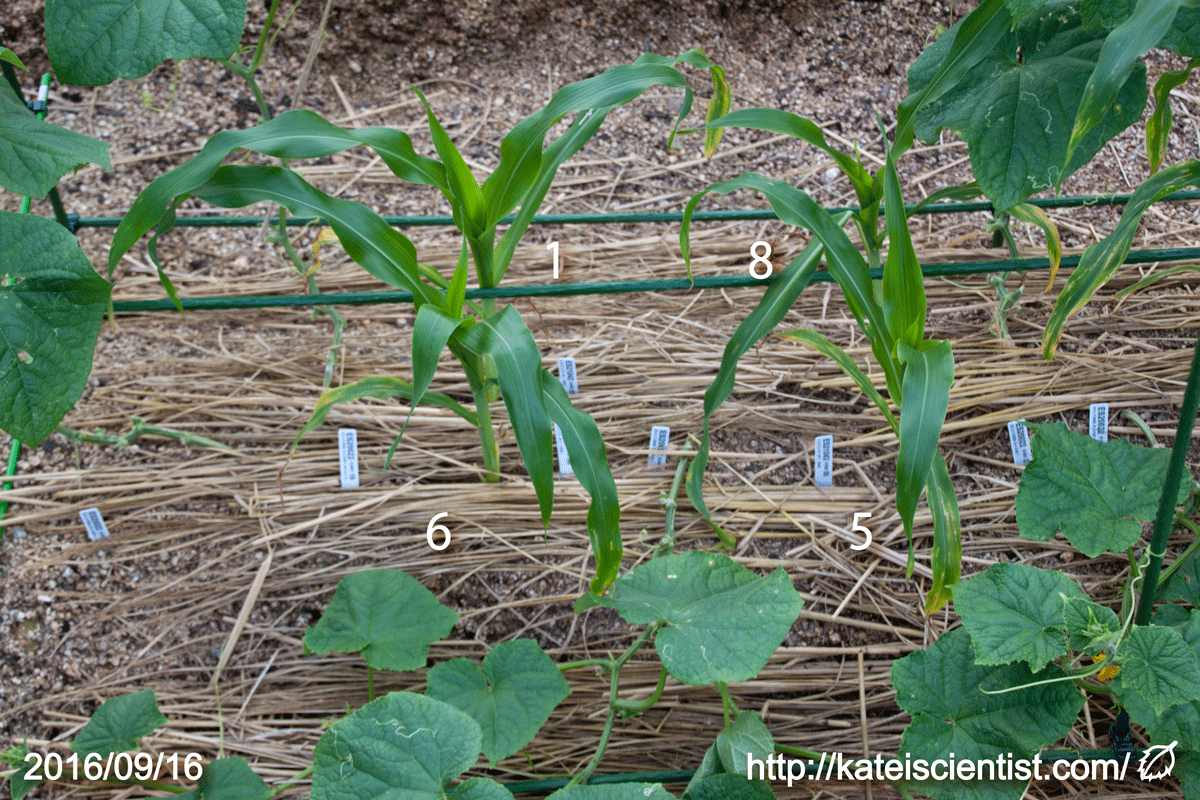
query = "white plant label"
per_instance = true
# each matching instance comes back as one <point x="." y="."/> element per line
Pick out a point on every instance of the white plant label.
<point x="1018" y="437"/>
<point x="554" y="246"/>
<point x="348" y="457"/>
<point x="566" y="375"/>
<point x="564" y="458"/>
<point x="96" y="529"/>
<point x="823" y="460"/>
<point x="1098" y="422"/>
<point x="660" y="435"/>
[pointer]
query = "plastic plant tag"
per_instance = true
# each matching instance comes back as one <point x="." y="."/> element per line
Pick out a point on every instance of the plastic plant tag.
<point x="1098" y="422"/>
<point x="348" y="457"/>
<point x="96" y="529"/>
<point x="564" y="459"/>
<point x="566" y="375"/>
<point x="659" y="436"/>
<point x="1018" y="437"/>
<point x="823" y="460"/>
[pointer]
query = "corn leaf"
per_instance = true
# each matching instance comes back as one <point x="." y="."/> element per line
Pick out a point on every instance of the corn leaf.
<point x="903" y="284"/>
<point x="589" y="460"/>
<point x="378" y="387"/>
<point x="431" y="330"/>
<point x="769" y="312"/>
<point x="789" y="124"/>
<point x="946" y="557"/>
<point x="954" y="194"/>
<point x="466" y="200"/>
<point x="1032" y="215"/>
<point x="974" y="38"/>
<point x="1101" y="260"/>
<point x="847" y="365"/>
<point x="1158" y="126"/>
<point x="367" y="239"/>
<point x="1154" y="276"/>
<point x="928" y="373"/>
<point x="505" y="338"/>
<point x="1122" y="51"/>
<point x="717" y="108"/>
<point x="295" y="134"/>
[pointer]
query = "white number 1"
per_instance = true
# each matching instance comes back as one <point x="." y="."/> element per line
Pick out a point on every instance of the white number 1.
<point x="554" y="246"/>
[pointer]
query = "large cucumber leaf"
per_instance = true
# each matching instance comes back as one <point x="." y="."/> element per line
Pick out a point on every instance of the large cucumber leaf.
<point x="94" y="42"/>
<point x="51" y="305"/>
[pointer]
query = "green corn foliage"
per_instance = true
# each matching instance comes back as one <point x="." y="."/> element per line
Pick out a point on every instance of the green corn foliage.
<point x="495" y="348"/>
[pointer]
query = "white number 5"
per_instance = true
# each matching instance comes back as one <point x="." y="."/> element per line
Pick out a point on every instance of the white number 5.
<point x="855" y="528"/>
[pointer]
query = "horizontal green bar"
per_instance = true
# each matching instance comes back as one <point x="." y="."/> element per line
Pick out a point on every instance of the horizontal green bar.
<point x="1074" y="201"/>
<point x="614" y="287"/>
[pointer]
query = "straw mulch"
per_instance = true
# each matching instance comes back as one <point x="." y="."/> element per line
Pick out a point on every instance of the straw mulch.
<point x="217" y="562"/>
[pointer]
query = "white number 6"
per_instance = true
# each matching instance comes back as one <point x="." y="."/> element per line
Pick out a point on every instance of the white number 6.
<point x="429" y="531"/>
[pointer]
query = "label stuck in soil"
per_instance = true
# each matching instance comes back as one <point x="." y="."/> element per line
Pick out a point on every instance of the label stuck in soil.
<point x="1098" y="422"/>
<point x="1018" y="437"/>
<point x="96" y="529"/>
<point x="348" y="457"/>
<point x="566" y="375"/>
<point x="823" y="460"/>
<point x="659" y="436"/>
<point x="564" y="458"/>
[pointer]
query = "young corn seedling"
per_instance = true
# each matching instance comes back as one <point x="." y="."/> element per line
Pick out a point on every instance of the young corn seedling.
<point x="495" y="347"/>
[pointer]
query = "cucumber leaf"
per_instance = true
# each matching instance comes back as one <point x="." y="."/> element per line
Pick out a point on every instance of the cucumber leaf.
<point x="118" y="724"/>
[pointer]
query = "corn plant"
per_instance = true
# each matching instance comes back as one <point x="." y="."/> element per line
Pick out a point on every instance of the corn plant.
<point x="494" y="347"/>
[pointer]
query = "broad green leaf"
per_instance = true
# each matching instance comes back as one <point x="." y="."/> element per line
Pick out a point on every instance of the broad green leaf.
<point x="480" y="789"/>
<point x="51" y="305"/>
<point x="118" y="724"/>
<point x="903" y="283"/>
<point x="589" y="460"/>
<point x="1091" y="628"/>
<point x="946" y="557"/>
<point x="1014" y="612"/>
<point x="35" y="155"/>
<point x="721" y="622"/>
<point x="18" y="785"/>
<point x="747" y="737"/>
<point x="1096" y="493"/>
<point x="1101" y="260"/>
<point x="228" y="779"/>
<point x="1158" y="125"/>
<point x="402" y="746"/>
<point x="11" y="57"/>
<point x="1183" y="37"/>
<point x="770" y="311"/>
<point x="1180" y="722"/>
<point x="510" y="696"/>
<point x="1183" y="583"/>
<point x="505" y="338"/>
<point x="367" y="239"/>
<point x="1122" y="51"/>
<point x="710" y="765"/>
<point x="466" y="201"/>
<point x="614" y="791"/>
<point x="943" y="689"/>
<point x="852" y="371"/>
<point x="1032" y="215"/>
<point x="295" y="135"/>
<point x="1022" y="8"/>
<point x="1187" y="770"/>
<point x="385" y="613"/>
<point x="379" y="387"/>
<point x="94" y="42"/>
<point x="946" y="64"/>
<point x="728" y="786"/>
<point x="1015" y="107"/>
<point x="1159" y="666"/>
<point x="928" y="374"/>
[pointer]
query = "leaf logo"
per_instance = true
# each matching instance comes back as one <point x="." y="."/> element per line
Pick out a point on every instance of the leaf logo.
<point x="1157" y="755"/>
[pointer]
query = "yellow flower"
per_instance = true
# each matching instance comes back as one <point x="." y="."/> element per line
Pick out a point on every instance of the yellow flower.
<point x="1108" y="672"/>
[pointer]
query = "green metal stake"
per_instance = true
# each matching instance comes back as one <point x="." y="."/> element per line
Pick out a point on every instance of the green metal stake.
<point x="13" y="455"/>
